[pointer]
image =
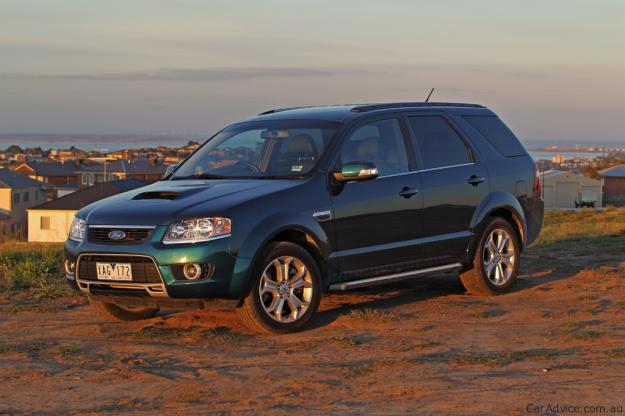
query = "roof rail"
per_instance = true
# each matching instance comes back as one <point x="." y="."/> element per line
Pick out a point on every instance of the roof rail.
<point x="382" y="106"/>
<point x="277" y="110"/>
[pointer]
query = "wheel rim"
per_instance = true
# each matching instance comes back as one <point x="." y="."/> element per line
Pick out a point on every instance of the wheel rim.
<point x="286" y="289"/>
<point x="499" y="257"/>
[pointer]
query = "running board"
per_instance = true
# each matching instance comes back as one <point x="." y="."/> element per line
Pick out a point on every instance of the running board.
<point x="378" y="280"/>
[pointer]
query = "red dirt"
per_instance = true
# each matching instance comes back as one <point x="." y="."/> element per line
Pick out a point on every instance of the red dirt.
<point x="417" y="347"/>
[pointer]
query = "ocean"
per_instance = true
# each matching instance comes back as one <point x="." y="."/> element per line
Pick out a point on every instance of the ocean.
<point x="116" y="142"/>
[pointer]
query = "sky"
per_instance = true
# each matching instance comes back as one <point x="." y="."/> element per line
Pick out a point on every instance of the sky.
<point x="552" y="69"/>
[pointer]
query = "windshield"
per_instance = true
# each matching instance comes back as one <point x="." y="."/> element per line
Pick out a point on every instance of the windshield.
<point x="260" y="150"/>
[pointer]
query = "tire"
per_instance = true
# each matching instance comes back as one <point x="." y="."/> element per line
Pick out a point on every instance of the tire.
<point x="485" y="278"/>
<point x="276" y="305"/>
<point x="113" y="312"/>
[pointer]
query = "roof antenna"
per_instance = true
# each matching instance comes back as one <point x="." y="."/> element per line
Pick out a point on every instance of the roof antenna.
<point x="429" y="95"/>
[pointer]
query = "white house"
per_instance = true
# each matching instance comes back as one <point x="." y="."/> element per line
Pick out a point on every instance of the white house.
<point x="562" y="189"/>
<point x="50" y="222"/>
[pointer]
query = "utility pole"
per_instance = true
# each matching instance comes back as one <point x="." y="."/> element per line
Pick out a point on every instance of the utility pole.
<point x="103" y="151"/>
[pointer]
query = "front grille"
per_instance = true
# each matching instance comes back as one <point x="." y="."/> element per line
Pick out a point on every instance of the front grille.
<point x="143" y="268"/>
<point x="133" y="235"/>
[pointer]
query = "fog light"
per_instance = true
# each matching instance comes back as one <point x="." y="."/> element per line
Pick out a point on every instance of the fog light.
<point x="192" y="271"/>
<point x="70" y="267"/>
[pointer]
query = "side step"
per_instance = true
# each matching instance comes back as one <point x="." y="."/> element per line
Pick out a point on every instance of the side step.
<point x="378" y="280"/>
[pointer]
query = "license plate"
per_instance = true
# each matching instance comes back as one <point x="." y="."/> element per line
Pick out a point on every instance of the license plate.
<point x="114" y="271"/>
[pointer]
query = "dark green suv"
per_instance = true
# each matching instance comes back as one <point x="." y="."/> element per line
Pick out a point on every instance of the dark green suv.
<point x="273" y="211"/>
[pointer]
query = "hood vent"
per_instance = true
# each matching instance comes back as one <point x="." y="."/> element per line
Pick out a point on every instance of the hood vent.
<point x="157" y="195"/>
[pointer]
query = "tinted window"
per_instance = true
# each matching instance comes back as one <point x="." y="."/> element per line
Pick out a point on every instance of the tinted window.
<point x="497" y="134"/>
<point x="379" y="142"/>
<point x="257" y="150"/>
<point x="439" y="144"/>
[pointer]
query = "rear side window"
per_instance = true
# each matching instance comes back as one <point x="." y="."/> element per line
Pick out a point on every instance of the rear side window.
<point x="438" y="143"/>
<point x="497" y="134"/>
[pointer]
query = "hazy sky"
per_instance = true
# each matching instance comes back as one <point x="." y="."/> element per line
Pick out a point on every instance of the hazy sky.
<point x="553" y="69"/>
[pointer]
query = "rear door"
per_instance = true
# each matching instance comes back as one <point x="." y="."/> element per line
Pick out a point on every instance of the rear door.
<point x="454" y="183"/>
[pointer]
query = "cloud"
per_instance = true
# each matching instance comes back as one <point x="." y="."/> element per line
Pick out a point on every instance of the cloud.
<point x="187" y="74"/>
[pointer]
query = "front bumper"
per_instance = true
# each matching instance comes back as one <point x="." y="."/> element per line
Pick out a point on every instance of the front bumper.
<point x="225" y="280"/>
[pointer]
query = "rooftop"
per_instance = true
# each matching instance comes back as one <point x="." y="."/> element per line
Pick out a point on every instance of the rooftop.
<point x="341" y="111"/>
<point x="12" y="180"/>
<point x="617" y="171"/>
<point x="84" y="197"/>
<point x="136" y="166"/>
<point x="51" y="168"/>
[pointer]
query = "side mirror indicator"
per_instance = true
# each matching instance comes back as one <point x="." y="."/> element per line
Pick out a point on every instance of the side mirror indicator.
<point x="356" y="171"/>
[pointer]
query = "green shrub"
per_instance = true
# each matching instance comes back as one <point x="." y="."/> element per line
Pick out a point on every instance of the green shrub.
<point x="31" y="266"/>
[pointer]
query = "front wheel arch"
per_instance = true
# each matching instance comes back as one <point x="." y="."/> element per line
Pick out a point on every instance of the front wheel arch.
<point x="252" y="311"/>
<point x="291" y="234"/>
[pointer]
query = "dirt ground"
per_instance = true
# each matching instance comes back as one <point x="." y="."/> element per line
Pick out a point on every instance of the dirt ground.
<point x="419" y="347"/>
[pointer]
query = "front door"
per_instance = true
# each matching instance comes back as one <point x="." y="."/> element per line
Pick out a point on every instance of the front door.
<point x="378" y="220"/>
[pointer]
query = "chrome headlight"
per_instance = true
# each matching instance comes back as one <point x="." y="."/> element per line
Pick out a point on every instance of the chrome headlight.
<point x="77" y="229"/>
<point x="197" y="229"/>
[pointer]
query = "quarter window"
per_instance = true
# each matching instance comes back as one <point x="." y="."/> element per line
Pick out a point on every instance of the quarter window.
<point x="439" y="144"/>
<point x="381" y="143"/>
<point x="497" y="134"/>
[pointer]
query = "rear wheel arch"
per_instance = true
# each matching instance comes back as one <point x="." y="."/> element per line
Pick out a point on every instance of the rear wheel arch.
<point x="503" y="205"/>
<point x="513" y="219"/>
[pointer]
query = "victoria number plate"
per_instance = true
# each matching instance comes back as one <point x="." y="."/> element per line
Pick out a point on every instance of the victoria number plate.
<point x="114" y="271"/>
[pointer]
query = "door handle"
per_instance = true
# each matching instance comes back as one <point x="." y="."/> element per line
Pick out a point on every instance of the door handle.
<point x="407" y="192"/>
<point x="475" y="180"/>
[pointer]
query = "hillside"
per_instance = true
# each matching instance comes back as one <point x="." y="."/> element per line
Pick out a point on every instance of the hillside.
<point x="418" y="346"/>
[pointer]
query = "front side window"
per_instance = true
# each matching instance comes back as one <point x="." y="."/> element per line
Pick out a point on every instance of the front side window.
<point x="379" y="142"/>
<point x="439" y="145"/>
<point x="16" y="198"/>
<point x="261" y="150"/>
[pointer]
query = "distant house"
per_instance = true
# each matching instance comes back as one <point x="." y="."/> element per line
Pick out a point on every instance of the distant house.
<point x="561" y="189"/>
<point x="17" y="194"/>
<point x="49" y="222"/>
<point x="614" y="185"/>
<point x="54" y="173"/>
<point x="145" y="170"/>
<point x="67" y="154"/>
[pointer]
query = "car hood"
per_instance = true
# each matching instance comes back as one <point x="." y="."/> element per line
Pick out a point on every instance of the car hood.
<point x="164" y="202"/>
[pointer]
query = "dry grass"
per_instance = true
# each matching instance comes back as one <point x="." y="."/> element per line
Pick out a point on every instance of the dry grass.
<point x="582" y="224"/>
<point x="502" y="359"/>
<point x="371" y="315"/>
<point x="36" y="269"/>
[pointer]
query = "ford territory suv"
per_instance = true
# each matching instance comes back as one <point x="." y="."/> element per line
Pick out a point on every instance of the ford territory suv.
<point x="272" y="212"/>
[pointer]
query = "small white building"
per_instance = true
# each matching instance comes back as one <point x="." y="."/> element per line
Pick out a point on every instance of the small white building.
<point x="563" y="189"/>
<point x="50" y="222"/>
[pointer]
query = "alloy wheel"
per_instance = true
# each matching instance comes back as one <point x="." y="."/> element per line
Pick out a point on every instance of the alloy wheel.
<point x="499" y="257"/>
<point x="286" y="289"/>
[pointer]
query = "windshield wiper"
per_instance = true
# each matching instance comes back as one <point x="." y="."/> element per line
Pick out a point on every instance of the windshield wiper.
<point x="279" y="177"/>
<point x="200" y="176"/>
